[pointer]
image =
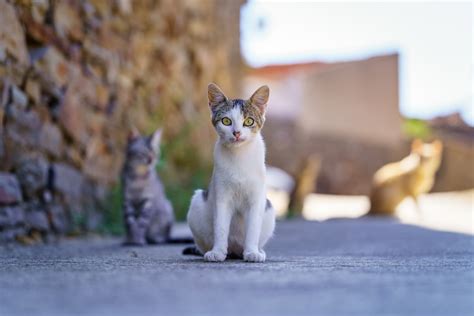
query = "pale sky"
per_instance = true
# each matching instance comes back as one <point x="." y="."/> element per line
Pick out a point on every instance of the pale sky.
<point x="434" y="40"/>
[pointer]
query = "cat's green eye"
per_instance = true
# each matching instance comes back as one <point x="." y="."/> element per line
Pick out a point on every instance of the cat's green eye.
<point x="249" y="121"/>
<point x="226" y="121"/>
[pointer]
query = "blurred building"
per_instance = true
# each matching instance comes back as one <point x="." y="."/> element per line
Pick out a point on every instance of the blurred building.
<point x="356" y="99"/>
<point x="348" y="114"/>
<point x="457" y="170"/>
<point x="345" y="112"/>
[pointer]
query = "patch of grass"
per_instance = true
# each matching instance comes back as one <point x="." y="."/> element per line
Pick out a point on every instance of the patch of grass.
<point x="182" y="171"/>
<point x="415" y="128"/>
<point x="113" y="216"/>
<point x="180" y="192"/>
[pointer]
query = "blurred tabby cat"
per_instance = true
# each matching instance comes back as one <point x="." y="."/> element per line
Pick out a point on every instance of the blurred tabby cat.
<point x="410" y="177"/>
<point x="148" y="214"/>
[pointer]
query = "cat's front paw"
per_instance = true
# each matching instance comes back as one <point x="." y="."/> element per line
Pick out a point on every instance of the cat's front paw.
<point x="215" y="256"/>
<point x="255" y="256"/>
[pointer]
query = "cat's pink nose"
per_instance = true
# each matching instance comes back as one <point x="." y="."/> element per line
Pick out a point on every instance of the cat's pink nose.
<point x="236" y="134"/>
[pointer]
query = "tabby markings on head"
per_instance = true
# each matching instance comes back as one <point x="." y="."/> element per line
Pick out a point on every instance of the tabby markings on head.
<point x="246" y="108"/>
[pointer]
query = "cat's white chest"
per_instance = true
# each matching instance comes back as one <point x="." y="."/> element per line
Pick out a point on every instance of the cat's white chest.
<point x="246" y="166"/>
<point x="242" y="171"/>
<point x="240" y="175"/>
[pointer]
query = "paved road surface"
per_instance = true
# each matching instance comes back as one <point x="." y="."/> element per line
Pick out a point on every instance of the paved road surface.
<point x="339" y="267"/>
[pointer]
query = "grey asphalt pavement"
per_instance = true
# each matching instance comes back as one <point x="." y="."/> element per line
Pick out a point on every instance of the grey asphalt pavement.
<point x="339" y="267"/>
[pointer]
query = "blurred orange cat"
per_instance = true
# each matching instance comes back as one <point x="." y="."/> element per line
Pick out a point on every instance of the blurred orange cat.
<point x="410" y="177"/>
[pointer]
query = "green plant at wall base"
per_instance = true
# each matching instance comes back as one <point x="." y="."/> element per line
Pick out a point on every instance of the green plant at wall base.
<point x="415" y="128"/>
<point x="180" y="192"/>
<point x="182" y="178"/>
<point x="182" y="169"/>
<point x="78" y="221"/>
<point x="113" y="216"/>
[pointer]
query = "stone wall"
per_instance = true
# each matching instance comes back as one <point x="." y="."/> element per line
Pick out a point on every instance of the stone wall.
<point x="75" y="75"/>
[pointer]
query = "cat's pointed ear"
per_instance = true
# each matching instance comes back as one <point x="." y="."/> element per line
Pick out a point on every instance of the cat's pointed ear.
<point x="133" y="133"/>
<point x="215" y="95"/>
<point x="260" y="97"/>
<point x="155" y="140"/>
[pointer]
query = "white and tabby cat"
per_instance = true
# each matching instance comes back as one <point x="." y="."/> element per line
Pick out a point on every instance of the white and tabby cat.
<point x="234" y="216"/>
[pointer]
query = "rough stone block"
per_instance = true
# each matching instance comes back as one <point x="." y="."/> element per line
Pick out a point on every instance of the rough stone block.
<point x="10" y="234"/>
<point x="51" y="139"/>
<point x="11" y="216"/>
<point x="10" y="191"/>
<point x="37" y="219"/>
<point x="23" y="126"/>
<point x="19" y="98"/>
<point x="54" y="65"/>
<point x="68" y="181"/>
<point x="32" y="173"/>
<point x="11" y="33"/>
<point x="58" y="218"/>
<point x="33" y="89"/>
<point x="67" y="21"/>
<point x="3" y="53"/>
<point x="39" y="8"/>
<point x="100" y="164"/>
<point x="74" y="115"/>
